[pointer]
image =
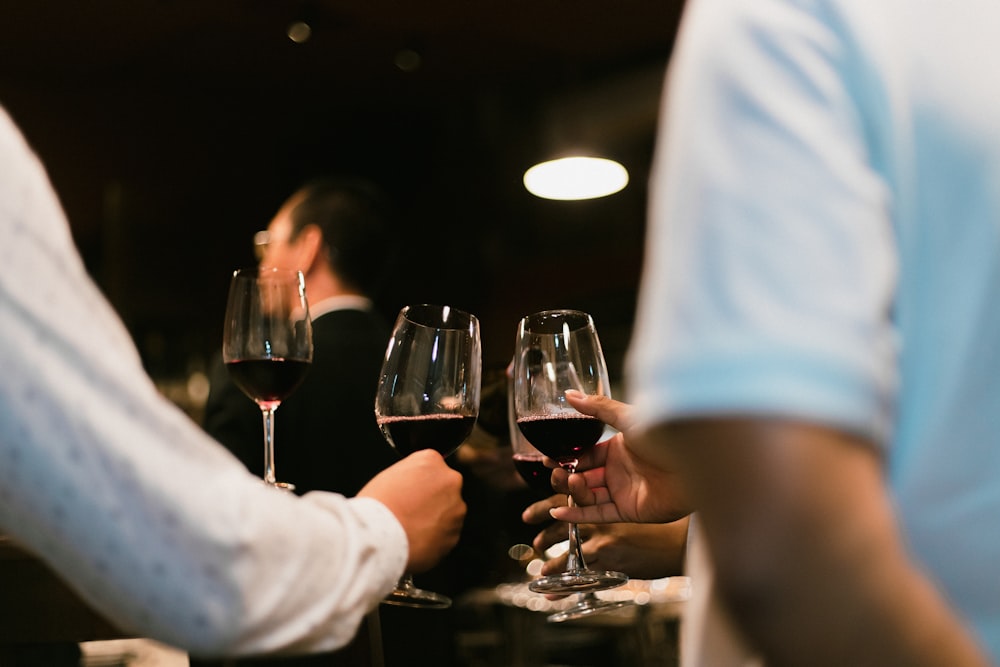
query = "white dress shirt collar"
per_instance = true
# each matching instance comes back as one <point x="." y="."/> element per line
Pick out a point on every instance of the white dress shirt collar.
<point x="341" y="302"/>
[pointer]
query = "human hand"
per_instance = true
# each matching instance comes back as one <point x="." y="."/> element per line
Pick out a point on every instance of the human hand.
<point x="615" y="484"/>
<point x="643" y="551"/>
<point x="425" y="495"/>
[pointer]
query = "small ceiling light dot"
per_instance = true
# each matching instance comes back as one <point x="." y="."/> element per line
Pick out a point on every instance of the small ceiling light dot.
<point x="299" y="32"/>
<point x="407" y="60"/>
<point x="573" y="178"/>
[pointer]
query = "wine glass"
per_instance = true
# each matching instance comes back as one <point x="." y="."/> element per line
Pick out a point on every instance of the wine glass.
<point x="527" y="460"/>
<point x="558" y="350"/>
<point x="529" y="465"/>
<point x="267" y="343"/>
<point x="428" y="397"/>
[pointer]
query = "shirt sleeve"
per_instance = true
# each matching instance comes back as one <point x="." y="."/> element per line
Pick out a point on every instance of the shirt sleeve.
<point x="156" y="525"/>
<point x="770" y="266"/>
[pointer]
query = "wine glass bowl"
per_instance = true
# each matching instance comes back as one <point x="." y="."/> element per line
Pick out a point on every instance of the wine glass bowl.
<point x="428" y="397"/>
<point x="556" y="351"/>
<point x="267" y="343"/>
<point x="528" y="461"/>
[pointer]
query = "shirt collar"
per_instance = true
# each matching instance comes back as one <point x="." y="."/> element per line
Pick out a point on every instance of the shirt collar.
<point x="342" y="302"/>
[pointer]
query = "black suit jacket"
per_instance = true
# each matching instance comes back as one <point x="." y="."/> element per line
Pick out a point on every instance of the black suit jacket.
<point x="325" y="434"/>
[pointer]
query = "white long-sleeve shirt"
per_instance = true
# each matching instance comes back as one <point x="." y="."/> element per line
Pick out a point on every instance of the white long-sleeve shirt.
<point x="155" y="525"/>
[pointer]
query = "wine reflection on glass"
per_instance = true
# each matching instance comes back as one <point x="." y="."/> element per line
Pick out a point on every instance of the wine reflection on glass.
<point x="267" y="343"/>
<point x="528" y="462"/>
<point x="428" y="397"/>
<point x="555" y="351"/>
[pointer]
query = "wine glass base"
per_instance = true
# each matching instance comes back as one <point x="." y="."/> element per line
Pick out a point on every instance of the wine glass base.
<point x="586" y="607"/>
<point x="575" y="581"/>
<point x="416" y="597"/>
<point x="281" y="486"/>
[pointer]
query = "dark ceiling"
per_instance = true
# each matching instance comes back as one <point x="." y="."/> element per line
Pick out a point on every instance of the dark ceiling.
<point x="173" y="129"/>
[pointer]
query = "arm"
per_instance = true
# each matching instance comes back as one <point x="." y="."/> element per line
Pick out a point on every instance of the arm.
<point x="807" y="554"/>
<point x="153" y="523"/>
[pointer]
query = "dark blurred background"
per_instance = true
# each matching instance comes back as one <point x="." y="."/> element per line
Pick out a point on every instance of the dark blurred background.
<point x="173" y="129"/>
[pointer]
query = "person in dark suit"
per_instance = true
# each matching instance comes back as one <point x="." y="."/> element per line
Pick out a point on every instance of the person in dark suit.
<point x="326" y="437"/>
<point x="337" y="232"/>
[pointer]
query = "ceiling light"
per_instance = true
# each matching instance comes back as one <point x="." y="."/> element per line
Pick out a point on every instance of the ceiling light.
<point x="571" y="178"/>
<point x="299" y="32"/>
<point x="407" y="60"/>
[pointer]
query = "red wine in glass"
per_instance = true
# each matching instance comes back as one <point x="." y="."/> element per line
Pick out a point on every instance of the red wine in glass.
<point x="443" y="432"/>
<point x="534" y="473"/>
<point x="561" y="437"/>
<point x="267" y="380"/>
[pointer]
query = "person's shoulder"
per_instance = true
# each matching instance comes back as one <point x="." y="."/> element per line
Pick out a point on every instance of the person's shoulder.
<point x="351" y="317"/>
<point x="351" y="325"/>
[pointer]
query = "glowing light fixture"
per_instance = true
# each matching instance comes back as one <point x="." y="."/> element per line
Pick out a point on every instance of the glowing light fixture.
<point x="407" y="60"/>
<point x="299" y="32"/>
<point x="579" y="177"/>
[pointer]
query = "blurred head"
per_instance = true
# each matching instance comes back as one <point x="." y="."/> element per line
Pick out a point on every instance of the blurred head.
<point x="331" y="225"/>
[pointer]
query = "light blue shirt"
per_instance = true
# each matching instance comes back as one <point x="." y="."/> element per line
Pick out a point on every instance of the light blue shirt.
<point x="157" y="526"/>
<point x="824" y="243"/>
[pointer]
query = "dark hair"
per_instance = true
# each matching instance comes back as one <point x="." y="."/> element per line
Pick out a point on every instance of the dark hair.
<point x="354" y="217"/>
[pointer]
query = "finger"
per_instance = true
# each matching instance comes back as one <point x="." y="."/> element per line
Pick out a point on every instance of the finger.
<point x="582" y="481"/>
<point x="551" y="535"/>
<point x="602" y="513"/>
<point x="616" y="414"/>
<point x="584" y="494"/>
<point x="591" y="477"/>
<point x="559" y="481"/>
<point x="554" y="565"/>
<point x="538" y="512"/>
<point x="595" y="457"/>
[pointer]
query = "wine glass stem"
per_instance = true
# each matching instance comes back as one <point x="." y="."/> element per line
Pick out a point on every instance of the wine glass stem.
<point x="574" y="557"/>
<point x="405" y="582"/>
<point x="269" y="476"/>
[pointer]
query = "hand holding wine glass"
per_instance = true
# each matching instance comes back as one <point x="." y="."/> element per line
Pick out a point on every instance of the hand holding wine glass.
<point x="267" y="343"/>
<point x="555" y="351"/>
<point x="428" y="396"/>
<point x="431" y="512"/>
<point x="528" y="462"/>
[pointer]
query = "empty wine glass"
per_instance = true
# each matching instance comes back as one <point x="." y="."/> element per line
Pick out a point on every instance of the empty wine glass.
<point x="428" y="397"/>
<point x="267" y="343"/>
<point x="555" y="351"/>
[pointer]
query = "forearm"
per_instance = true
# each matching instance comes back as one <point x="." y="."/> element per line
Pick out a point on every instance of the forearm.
<point x="807" y="554"/>
<point x="870" y="607"/>
<point x="169" y="537"/>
